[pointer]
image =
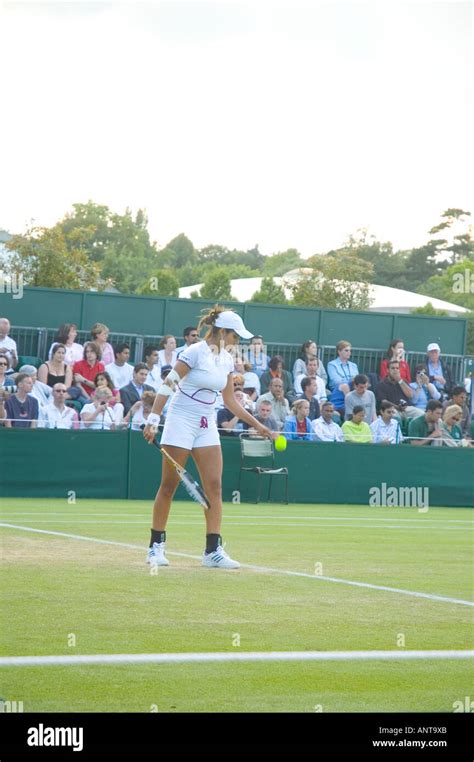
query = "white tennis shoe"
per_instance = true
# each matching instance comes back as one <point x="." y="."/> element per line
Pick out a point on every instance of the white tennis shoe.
<point x="156" y="555"/>
<point x="220" y="559"/>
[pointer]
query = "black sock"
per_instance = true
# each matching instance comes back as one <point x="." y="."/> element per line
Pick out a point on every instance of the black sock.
<point x="212" y="541"/>
<point x="157" y="536"/>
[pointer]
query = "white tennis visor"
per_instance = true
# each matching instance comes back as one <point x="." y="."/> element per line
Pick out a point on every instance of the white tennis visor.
<point x="233" y="322"/>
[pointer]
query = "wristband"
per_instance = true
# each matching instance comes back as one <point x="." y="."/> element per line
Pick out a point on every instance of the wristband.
<point x="165" y="390"/>
<point x="153" y="420"/>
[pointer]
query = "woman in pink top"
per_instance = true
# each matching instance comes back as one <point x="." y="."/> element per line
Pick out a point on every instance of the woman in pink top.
<point x="100" y="334"/>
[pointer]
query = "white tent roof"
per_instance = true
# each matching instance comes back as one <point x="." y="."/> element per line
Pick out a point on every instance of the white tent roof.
<point x="383" y="298"/>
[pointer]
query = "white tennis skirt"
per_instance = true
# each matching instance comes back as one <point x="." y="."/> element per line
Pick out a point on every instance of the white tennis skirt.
<point x="189" y="431"/>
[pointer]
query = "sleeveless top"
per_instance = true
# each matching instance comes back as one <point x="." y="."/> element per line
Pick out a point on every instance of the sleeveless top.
<point x="52" y="379"/>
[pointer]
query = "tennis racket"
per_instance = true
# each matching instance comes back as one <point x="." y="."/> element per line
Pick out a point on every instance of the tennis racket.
<point x="190" y="485"/>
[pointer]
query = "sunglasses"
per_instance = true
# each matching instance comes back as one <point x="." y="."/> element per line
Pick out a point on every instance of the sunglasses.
<point x="5" y="364"/>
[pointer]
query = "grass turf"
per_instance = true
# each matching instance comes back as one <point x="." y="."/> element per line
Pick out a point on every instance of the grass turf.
<point x="68" y="596"/>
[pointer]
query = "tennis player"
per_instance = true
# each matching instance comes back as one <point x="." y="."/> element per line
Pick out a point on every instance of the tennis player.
<point x="203" y="370"/>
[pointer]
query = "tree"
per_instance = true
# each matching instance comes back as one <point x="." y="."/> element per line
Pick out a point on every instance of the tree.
<point x="269" y="293"/>
<point x="216" y="285"/>
<point x="161" y="283"/>
<point x="331" y="283"/>
<point x="462" y="242"/>
<point x="183" y="249"/>
<point x="455" y="285"/>
<point x="45" y="257"/>
<point x="428" y="309"/>
<point x="282" y="262"/>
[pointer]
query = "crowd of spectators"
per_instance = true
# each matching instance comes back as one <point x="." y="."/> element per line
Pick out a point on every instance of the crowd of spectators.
<point x="94" y="386"/>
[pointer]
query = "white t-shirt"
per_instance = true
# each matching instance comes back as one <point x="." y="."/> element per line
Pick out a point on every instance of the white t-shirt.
<point x="74" y="352"/>
<point x="10" y="345"/>
<point x="105" y="419"/>
<point x="162" y="359"/>
<point x="197" y="391"/>
<point x="121" y="375"/>
<point x="320" y="387"/>
<point x="51" y="417"/>
<point x="154" y="377"/>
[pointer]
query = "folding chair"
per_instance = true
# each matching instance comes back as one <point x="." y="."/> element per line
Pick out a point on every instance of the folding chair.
<point x="257" y="447"/>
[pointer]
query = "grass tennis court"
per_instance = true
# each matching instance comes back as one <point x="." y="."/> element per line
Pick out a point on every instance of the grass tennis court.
<point x="69" y="595"/>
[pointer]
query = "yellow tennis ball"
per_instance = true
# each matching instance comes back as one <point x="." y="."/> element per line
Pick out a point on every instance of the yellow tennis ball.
<point x="280" y="443"/>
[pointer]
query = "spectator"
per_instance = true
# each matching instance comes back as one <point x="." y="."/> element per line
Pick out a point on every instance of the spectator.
<point x="5" y="381"/>
<point x="100" y="334"/>
<point x="423" y="389"/>
<point x="265" y="417"/>
<point x="309" y="393"/>
<point x="425" y="429"/>
<point x="450" y="426"/>
<point x="121" y="371"/>
<point x="251" y="380"/>
<point x="258" y="360"/>
<point x="153" y="365"/>
<point x="396" y="351"/>
<point x="22" y="409"/>
<point x="341" y="373"/>
<point x="191" y="336"/>
<point x="397" y="391"/>
<point x="361" y="396"/>
<point x="386" y="429"/>
<point x="56" y="371"/>
<point x="104" y="380"/>
<point x="133" y="391"/>
<point x="438" y="372"/>
<point x="458" y="397"/>
<point x="7" y="344"/>
<point x="164" y="372"/>
<point x="67" y="334"/>
<point x="309" y="351"/>
<point x="298" y="425"/>
<point x="140" y="410"/>
<point x="280" y="406"/>
<point x="167" y="353"/>
<point x="101" y="413"/>
<point x="85" y="371"/>
<point x="230" y="424"/>
<point x="56" y="415"/>
<point x="41" y="392"/>
<point x="276" y="370"/>
<point x="357" y="430"/>
<point x="312" y="367"/>
<point x="324" y="428"/>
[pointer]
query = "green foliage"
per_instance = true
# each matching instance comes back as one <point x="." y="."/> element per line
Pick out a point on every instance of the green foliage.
<point x="281" y="263"/>
<point x="45" y="257"/>
<point x="455" y="285"/>
<point x="269" y="293"/>
<point x="184" y="250"/>
<point x="331" y="283"/>
<point x="470" y="334"/>
<point x="161" y="283"/>
<point x="216" y="285"/>
<point x="428" y="309"/>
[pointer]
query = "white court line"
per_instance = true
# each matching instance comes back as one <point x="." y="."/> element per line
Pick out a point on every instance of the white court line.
<point x="180" y="658"/>
<point x="265" y="569"/>
<point x="245" y="516"/>
<point x="262" y="524"/>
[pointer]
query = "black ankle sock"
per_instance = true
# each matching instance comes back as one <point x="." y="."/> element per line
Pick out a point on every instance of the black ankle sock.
<point x="212" y="541"/>
<point x="157" y="536"/>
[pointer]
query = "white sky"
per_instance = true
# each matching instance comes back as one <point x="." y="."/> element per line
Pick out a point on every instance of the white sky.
<point x="282" y="124"/>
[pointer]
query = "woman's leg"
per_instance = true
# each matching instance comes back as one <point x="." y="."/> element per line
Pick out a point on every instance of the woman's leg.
<point x="209" y="464"/>
<point x="168" y="486"/>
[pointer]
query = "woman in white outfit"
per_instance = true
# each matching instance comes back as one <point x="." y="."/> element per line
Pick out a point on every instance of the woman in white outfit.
<point x="203" y="370"/>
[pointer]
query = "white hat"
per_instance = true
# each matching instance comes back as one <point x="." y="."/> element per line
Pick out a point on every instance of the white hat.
<point x="432" y="347"/>
<point x="233" y="321"/>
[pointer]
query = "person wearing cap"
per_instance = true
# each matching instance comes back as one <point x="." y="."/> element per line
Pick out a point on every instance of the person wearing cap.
<point x="438" y="372"/>
<point x="203" y="370"/>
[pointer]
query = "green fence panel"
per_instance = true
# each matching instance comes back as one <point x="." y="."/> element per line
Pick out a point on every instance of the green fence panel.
<point x="120" y="465"/>
<point x="156" y="316"/>
<point x="283" y="324"/>
<point x="419" y="331"/>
